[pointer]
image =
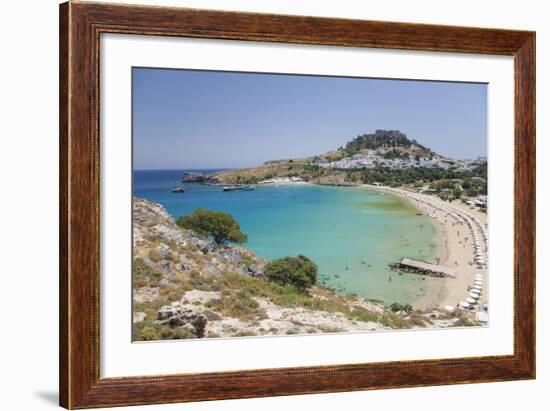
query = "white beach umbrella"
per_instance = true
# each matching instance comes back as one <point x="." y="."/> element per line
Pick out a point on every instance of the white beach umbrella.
<point x="464" y="304"/>
<point x="478" y="282"/>
<point x="449" y="308"/>
<point x="470" y="300"/>
<point x="474" y="295"/>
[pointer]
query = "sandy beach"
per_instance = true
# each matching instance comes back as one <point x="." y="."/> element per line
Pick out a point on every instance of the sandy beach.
<point x="462" y="248"/>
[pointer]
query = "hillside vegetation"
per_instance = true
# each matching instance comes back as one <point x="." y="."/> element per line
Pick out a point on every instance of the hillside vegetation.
<point x="388" y="157"/>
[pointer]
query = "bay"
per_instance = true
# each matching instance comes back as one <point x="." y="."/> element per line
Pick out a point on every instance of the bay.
<point x="351" y="233"/>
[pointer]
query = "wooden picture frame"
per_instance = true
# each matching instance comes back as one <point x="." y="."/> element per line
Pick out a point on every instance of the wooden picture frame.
<point x="80" y="27"/>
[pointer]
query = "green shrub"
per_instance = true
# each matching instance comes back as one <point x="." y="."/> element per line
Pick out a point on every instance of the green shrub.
<point x="364" y="315"/>
<point x="300" y="272"/>
<point x="239" y="305"/>
<point x="155" y="256"/>
<point x="144" y="275"/>
<point x="247" y="260"/>
<point x="219" y="226"/>
<point x="180" y="333"/>
<point x="150" y="331"/>
<point x="395" y="307"/>
<point x="148" y="334"/>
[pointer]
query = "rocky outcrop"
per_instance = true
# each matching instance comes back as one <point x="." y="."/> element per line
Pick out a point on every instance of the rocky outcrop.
<point x="169" y="249"/>
<point x="139" y="316"/>
<point x="195" y="177"/>
<point x="177" y="315"/>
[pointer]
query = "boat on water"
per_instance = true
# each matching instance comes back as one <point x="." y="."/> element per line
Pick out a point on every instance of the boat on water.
<point x="247" y="187"/>
<point x="178" y="189"/>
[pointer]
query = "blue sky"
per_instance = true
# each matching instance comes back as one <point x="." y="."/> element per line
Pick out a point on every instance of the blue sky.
<point x="205" y="119"/>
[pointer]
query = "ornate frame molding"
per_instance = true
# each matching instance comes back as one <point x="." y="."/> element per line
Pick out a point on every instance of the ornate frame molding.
<point x="81" y="24"/>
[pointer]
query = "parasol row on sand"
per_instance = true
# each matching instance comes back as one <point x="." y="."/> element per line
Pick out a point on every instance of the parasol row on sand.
<point x="474" y="293"/>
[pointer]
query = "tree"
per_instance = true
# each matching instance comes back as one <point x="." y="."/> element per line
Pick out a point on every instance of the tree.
<point x="396" y="307"/>
<point x="457" y="192"/>
<point x="219" y="226"/>
<point x="299" y="272"/>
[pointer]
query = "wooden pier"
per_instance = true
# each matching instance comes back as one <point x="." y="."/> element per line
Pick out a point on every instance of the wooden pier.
<point x="421" y="267"/>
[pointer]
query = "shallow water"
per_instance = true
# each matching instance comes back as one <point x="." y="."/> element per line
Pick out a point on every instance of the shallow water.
<point x="352" y="234"/>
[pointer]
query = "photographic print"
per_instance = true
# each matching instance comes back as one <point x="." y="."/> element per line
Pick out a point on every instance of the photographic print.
<point x="262" y="188"/>
<point x="285" y="204"/>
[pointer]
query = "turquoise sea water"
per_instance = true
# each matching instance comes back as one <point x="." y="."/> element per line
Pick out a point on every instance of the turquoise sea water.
<point x="352" y="234"/>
